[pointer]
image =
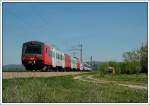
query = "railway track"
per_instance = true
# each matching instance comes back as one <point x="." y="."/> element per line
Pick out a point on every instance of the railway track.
<point x="8" y="75"/>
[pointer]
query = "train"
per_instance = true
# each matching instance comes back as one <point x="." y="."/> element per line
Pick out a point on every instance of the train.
<point x="37" y="55"/>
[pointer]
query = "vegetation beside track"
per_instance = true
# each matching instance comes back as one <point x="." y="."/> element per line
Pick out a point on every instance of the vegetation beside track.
<point x="137" y="79"/>
<point x="66" y="89"/>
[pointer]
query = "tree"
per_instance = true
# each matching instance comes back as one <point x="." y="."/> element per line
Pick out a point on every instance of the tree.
<point x="144" y="58"/>
<point x="136" y="60"/>
<point x="130" y="56"/>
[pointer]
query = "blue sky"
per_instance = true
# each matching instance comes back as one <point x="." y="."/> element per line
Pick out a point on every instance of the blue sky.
<point x="106" y="30"/>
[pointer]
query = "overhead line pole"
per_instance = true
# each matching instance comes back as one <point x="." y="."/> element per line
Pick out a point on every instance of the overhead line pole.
<point x="81" y="54"/>
<point x="81" y="51"/>
<point x="91" y="62"/>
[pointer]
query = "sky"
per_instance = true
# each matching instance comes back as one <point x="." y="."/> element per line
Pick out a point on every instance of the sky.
<point x="106" y="30"/>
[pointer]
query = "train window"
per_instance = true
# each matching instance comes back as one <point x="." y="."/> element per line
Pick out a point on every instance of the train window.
<point x="46" y="50"/>
<point x="33" y="49"/>
<point x="56" y="56"/>
<point x="50" y="53"/>
<point x="53" y="54"/>
<point x="61" y="57"/>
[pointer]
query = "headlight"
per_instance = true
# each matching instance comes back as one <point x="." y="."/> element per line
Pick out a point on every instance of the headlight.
<point x="32" y="58"/>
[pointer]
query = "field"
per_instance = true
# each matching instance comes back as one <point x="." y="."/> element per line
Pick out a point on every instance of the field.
<point x="84" y="87"/>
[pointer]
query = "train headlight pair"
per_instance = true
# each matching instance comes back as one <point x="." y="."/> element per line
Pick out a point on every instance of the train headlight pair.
<point x="32" y="58"/>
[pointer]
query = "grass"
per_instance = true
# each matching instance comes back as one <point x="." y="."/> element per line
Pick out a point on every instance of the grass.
<point x="135" y="79"/>
<point x="67" y="90"/>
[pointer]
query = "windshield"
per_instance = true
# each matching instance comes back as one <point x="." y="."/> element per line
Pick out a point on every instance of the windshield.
<point x="33" y="49"/>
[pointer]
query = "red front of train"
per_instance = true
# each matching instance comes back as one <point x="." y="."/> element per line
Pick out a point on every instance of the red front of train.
<point x="35" y="56"/>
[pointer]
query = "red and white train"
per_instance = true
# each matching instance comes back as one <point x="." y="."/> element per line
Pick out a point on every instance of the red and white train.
<point x="39" y="56"/>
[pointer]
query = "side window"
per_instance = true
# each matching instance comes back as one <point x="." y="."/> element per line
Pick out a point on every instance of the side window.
<point x="51" y="53"/>
<point x="46" y="50"/>
<point x="60" y="57"/>
<point x="56" y="55"/>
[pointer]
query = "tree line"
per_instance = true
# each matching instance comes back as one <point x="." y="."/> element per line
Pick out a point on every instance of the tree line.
<point x="135" y="61"/>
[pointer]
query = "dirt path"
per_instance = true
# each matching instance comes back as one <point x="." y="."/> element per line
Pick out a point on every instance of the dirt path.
<point x="7" y="75"/>
<point x="89" y="78"/>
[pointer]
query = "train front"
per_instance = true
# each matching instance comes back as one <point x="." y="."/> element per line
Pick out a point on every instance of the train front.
<point x="32" y="55"/>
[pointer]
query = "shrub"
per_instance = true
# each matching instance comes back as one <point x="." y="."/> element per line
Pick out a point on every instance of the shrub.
<point x="102" y="68"/>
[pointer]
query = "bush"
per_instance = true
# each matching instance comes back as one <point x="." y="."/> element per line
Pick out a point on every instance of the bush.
<point x="102" y="68"/>
<point x="116" y="65"/>
<point x="130" y="67"/>
<point x="133" y="67"/>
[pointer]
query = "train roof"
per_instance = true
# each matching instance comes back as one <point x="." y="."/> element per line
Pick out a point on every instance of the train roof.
<point x="37" y="42"/>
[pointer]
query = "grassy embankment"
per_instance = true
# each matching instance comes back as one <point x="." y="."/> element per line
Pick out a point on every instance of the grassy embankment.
<point x="66" y="89"/>
<point x="134" y="79"/>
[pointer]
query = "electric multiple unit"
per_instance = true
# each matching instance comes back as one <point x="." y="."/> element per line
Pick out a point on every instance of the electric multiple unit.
<point x="39" y="56"/>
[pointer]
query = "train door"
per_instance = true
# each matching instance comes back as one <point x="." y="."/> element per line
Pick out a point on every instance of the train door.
<point x="53" y="53"/>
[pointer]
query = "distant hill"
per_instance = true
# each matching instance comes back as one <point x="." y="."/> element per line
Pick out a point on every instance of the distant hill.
<point x="13" y="67"/>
